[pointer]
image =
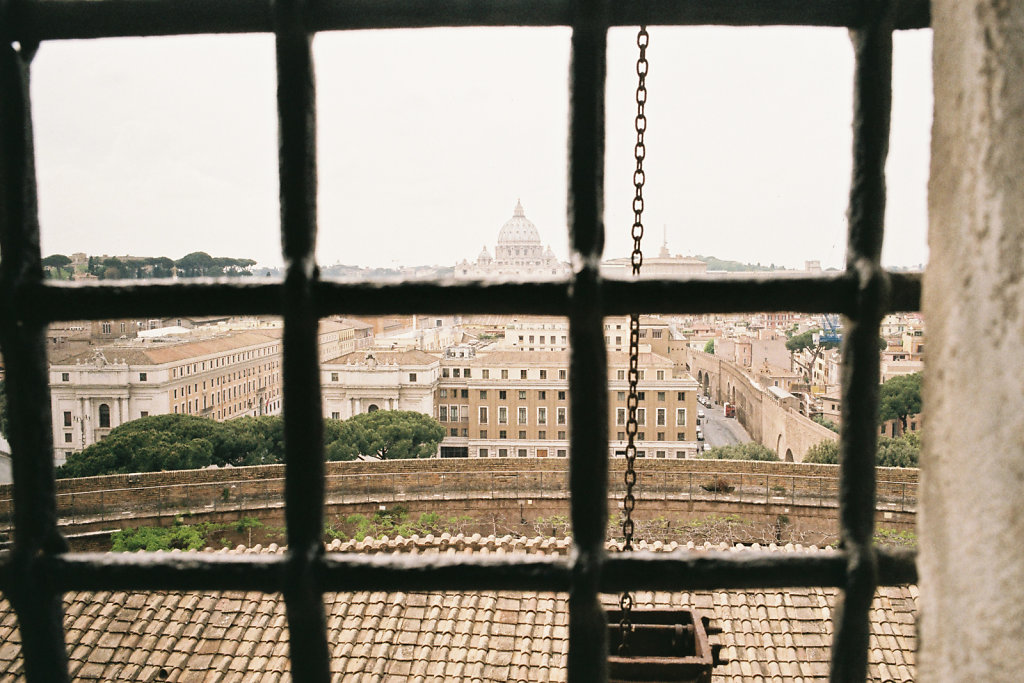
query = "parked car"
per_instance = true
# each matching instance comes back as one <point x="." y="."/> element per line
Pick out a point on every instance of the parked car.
<point x="700" y="413"/>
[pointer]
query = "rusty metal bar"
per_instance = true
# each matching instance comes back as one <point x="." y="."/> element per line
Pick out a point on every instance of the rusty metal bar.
<point x="62" y="19"/>
<point x="828" y="293"/>
<point x="38" y="606"/>
<point x="640" y="570"/>
<point x="588" y="453"/>
<point x="860" y="373"/>
<point x="303" y="417"/>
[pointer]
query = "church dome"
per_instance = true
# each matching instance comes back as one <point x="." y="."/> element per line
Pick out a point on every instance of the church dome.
<point x="519" y="229"/>
<point x="485" y="256"/>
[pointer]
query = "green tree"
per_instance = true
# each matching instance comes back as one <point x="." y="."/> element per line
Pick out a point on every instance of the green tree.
<point x="386" y="434"/>
<point x="166" y="442"/>
<point x="741" y="451"/>
<point x="901" y="452"/>
<point x="710" y="346"/>
<point x="196" y="264"/>
<point x="58" y="262"/>
<point x="826" y="423"/>
<point x="156" y="538"/>
<point x="160" y="267"/>
<point x="803" y="341"/>
<point x="824" y="453"/>
<point x="899" y="398"/>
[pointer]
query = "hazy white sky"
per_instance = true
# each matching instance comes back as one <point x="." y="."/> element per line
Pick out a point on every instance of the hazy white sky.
<point x="427" y="138"/>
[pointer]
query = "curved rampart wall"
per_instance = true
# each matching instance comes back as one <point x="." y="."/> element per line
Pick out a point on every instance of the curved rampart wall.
<point x="777" y="427"/>
<point x="119" y="497"/>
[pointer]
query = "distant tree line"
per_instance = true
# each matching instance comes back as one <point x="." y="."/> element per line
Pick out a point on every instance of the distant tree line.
<point x="196" y="264"/>
<point x="182" y="442"/>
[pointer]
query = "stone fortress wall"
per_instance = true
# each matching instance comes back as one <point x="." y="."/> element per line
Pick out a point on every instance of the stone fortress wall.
<point x="523" y="489"/>
<point x="778" y="427"/>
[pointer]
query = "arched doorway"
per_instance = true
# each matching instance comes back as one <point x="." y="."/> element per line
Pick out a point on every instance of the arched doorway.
<point x="789" y="455"/>
<point x="104" y="416"/>
<point x="373" y="408"/>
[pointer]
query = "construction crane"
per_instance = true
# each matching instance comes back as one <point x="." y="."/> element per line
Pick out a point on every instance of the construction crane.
<point x="830" y="330"/>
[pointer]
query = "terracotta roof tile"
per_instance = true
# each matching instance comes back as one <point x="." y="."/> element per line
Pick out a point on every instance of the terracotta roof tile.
<point x="486" y="636"/>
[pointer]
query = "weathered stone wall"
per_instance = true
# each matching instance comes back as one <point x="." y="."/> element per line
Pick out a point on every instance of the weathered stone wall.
<point x="972" y="560"/>
<point x="99" y="500"/>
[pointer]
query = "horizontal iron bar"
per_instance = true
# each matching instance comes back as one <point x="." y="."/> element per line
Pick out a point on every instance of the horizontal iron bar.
<point x="748" y="569"/>
<point x="832" y="292"/>
<point x="129" y="299"/>
<point x="640" y="570"/>
<point x="63" y="19"/>
<point x="337" y="572"/>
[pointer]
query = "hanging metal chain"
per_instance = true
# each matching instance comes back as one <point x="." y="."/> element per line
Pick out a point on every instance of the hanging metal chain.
<point x="637" y="259"/>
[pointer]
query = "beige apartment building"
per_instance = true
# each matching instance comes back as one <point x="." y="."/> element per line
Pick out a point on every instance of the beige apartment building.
<point x="550" y="333"/>
<point x="515" y="404"/>
<point x="210" y="372"/>
<point x="219" y="377"/>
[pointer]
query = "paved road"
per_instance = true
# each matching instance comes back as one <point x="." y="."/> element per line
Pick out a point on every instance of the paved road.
<point x="722" y="431"/>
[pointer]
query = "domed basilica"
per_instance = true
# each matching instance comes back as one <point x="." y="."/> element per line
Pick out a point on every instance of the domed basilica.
<point x="519" y="255"/>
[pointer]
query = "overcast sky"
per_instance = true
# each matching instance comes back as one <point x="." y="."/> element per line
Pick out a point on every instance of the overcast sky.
<point x="164" y="146"/>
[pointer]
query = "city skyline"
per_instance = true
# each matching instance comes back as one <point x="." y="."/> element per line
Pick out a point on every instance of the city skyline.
<point x="422" y="157"/>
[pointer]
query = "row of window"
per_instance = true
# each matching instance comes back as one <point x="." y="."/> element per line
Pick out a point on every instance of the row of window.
<point x="452" y="413"/>
<point x="542" y="394"/>
<point x="659" y="419"/>
<point x="562" y="452"/>
<point x="486" y="373"/>
<point x="559" y="435"/>
<point x="517" y="452"/>
<point x="200" y="366"/>
<point x="642" y="436"/>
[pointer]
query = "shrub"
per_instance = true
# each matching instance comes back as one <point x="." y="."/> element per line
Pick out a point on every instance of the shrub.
<point x="718" y="485"/>
<point x="157" y="538"/>
<point x="741" y="451"/>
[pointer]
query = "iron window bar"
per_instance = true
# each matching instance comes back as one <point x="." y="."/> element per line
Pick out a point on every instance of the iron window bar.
<point x="35" y="573"/>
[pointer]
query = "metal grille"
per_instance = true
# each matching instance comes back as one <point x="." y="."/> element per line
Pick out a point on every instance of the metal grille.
<point x="38" y="570"/>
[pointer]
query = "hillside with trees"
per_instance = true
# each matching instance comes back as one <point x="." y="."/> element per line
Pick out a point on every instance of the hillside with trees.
<point x="180" y="442"/>
<point x="196" y="264"/>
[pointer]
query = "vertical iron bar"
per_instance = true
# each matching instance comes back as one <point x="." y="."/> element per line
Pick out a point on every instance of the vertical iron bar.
<point x="38" y="607"/>
<point x="303" y="418"/>
<point x="858" y="441"/>
<point x="588" y="383"/>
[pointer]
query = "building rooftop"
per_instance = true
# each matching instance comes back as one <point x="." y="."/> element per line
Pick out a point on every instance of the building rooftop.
<point x="767" y="634"/>
<point x="362" y="357"/>
<point x="153" y="352"/>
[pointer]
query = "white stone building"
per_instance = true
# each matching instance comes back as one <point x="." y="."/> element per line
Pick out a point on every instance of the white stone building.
<point x="519" y="255"/>
<point x="366" y="381"/>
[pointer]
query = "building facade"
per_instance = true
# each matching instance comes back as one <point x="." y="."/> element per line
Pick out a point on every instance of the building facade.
<point x="515" y="404"/>
<point x="519" y="255"/>
<point x="219" y="377"/>
<point x="210" y="372"/>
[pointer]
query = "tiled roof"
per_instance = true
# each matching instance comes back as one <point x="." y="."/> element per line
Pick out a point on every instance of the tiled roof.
<point x="158" y="354"/>
<point x="767" y="635"/>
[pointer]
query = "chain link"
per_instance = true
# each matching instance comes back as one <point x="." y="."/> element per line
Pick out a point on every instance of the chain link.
<point x="636" y="259"/>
